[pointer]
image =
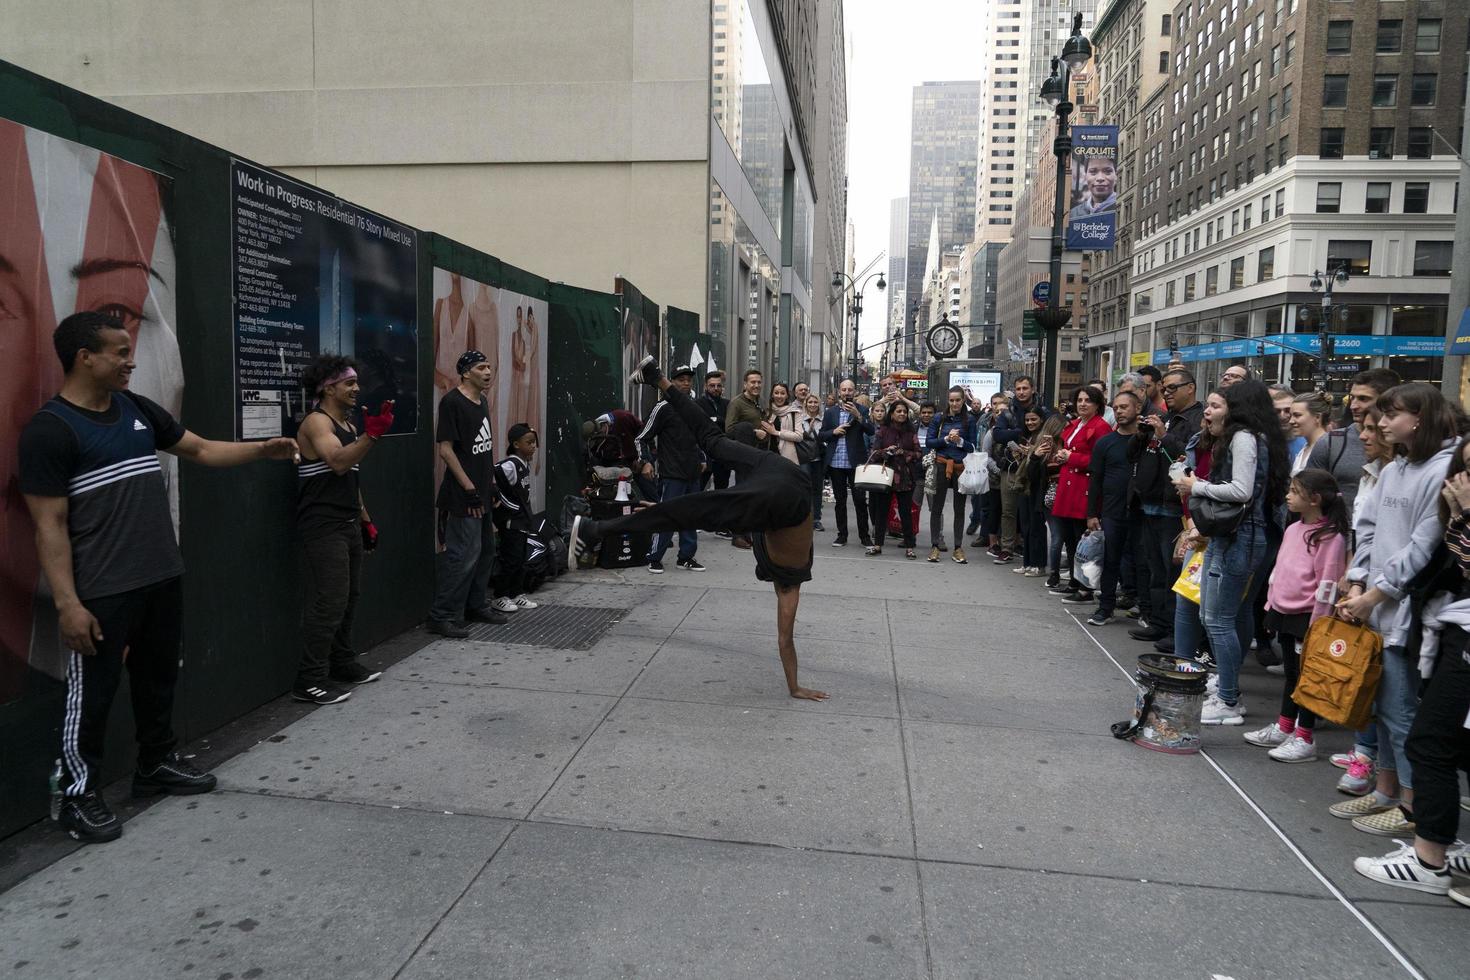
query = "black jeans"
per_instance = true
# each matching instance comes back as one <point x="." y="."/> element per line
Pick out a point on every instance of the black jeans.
<point x="943" y="484"/>
<point x="880" y="503"/>
<point x="1291" y="665"/>
<point x="1033" y="535"/>
<point x="841" y="484"/>
<point x="145" y="624"/>
<point x="1073" y="528"/>
<point x="333" y="575"/>
<point x="1438" y="746"/>
<point x="1158" y="549"/>
<point x="816" y="472"/>
<point x="510" y="568"/>
<point x="1119" y="535"/>
<point x="770" y="491"/>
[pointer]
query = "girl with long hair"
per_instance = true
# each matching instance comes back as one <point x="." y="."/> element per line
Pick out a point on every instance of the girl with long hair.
<point x="1248" y="467"/>
<point x="811" y="424"/>
<point x="952" y="437"/>
<point x="1074" y="452"/>
<point x="1045" y="472"/>
<point x="783" y="421"/>
<point x="1031" y="471"/>
<point x="1312" y="558"/>
<point x="1399" y="527"/>
<point x="896" y="446"/>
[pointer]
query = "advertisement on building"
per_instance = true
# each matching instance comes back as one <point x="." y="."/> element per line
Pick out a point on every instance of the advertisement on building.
<point x="1092" y="221"/>
<point x="510" y="330"/>
<point x="979" y="384"/>
<point x="313" y="273"/>
<point x="79" y="230"/>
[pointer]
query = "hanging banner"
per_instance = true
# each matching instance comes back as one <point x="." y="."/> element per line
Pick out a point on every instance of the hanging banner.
<point x="1092" y="222"/>
<point x="313" y="273"/>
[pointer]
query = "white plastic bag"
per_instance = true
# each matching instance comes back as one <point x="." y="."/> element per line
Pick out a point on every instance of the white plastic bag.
<point x="1089" y="575"/>
<point x="976" y="477"/>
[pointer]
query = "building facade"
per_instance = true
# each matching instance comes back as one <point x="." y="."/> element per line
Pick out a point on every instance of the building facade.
<point x="943" y="156"/>
<point x="898" y="252"/>
<point x="1297" y="137"/>
<point x="671" y="144"/>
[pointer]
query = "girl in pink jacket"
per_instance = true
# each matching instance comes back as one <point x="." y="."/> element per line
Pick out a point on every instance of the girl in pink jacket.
<point x="1302" y="589"/>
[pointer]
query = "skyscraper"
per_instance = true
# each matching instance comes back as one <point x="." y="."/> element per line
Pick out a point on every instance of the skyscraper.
<point x="898" y="254"/>
<point x="943" y="155"/>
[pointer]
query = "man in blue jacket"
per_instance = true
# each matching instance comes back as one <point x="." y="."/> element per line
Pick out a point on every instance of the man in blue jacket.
<point x="844" y="426"/>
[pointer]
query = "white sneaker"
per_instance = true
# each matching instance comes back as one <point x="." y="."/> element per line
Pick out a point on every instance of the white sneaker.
<point x="1457" y="859"/>
<point x="505" y="605"/>
<point x="1268" y="737"/>
<point x="1294" y="749"/>
<point x="1212" y="685"/>
<point x="1217" y="712"/>
<point x="1403" y="869"/>
<point x="1278" y="669"/>
<point x="522" y="602"/>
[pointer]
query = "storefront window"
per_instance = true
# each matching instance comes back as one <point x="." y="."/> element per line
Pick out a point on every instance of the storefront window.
<point x="745" y="287"/>
<point x="743" y="102"/>
<point x="1418" y="321"/>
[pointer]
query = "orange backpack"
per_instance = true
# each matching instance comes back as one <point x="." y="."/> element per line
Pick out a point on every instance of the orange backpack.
<point x="1341" y="664"/>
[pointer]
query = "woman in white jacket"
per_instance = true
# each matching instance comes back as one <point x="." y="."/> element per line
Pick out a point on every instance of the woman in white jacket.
<point x="784" y="421"/>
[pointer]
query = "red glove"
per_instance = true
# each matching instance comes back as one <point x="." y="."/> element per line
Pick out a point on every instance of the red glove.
<point x="369" y="536"/>
<point x="376" y="426"/>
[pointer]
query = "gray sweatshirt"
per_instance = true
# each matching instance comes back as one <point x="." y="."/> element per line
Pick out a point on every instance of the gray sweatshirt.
<point x="1398" y="528"/>
<point x="1340" y="452"/>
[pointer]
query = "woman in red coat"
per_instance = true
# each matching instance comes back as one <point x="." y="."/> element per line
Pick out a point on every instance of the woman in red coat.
<point x="1074" y="453"/>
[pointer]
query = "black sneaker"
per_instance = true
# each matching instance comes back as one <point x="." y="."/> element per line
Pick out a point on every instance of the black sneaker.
<point x="647" y="372"/>
<point x="1099" y="618"/>
<point x="175" y="776"/>
<point x="1148" y="633"/>
<point x="1078" y="598"/>
<point x="353" y="672"/>
<point x="87" y="819"/>
<point x="1004" y="558"/>
<point x="727" y="535"/>
<point x="323" y="693"/>
<point x="441" y="627"/>
<point x="656" y="567"/>
<point x="1266" y="654"/>
<point x="1126" y="602"/>
<point x="488" y="614"/>
<point x="840" y="541"/>
<point x="1061" y="589"/>
<point x="584" y="537"/>
<point x="689" y="565"/>
<point x="1165" y="645"/>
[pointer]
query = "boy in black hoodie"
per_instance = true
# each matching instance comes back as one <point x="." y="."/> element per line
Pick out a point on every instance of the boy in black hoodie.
<point x="512" y="518"/>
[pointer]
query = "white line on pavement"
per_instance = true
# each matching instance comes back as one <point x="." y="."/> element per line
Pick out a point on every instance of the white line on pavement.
<point x="1306" y="862"/>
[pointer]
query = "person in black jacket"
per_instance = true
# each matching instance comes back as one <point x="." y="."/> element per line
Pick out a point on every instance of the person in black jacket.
<point x="512" y="516"/>
<point x="843" y="427"/>
<point x="714" y="404"/>
<point x="1110" y="478"/>
<point x="1162" y="520"/>
<point x="668" y="440"/>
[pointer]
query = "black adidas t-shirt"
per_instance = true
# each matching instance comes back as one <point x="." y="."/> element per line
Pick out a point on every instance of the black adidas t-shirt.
<point x="466" y="425"/>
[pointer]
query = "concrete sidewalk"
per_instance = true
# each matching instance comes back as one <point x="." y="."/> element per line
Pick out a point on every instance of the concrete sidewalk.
<point x="655" y="806"/>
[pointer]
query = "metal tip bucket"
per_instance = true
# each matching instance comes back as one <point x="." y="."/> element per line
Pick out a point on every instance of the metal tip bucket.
<point x="1166" y="711"/>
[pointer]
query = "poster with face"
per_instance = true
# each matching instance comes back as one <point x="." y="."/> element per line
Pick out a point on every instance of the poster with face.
<point x="1092" y="222"/>
<point x="79" y="230"/>
<point x="510" y="330"/>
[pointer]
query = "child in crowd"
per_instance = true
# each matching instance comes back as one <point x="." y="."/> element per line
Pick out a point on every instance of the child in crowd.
<point x="512" y="515"/>
<point x="1312" y="558"/>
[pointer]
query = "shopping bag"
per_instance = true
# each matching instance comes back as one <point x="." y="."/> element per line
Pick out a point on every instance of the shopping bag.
<point x="1341" y="664"/>
<point x="1091" y="547"/>
<point x="976" y="477"/>
<point x="1088" y="574"/>
<point x="1189" y="579"/>
<point x="894" y="525"/>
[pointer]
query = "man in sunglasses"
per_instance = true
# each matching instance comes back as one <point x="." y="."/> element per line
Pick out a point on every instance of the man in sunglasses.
<point x="1162" y="512"/>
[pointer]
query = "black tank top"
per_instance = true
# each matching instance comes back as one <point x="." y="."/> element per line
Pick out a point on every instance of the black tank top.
<point x="323" y="498"/>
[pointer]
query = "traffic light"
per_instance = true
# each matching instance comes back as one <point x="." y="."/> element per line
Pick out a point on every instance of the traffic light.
<point x="1329" y="344"/>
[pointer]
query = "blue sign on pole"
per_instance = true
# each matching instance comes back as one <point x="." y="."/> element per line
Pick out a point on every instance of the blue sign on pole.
<point x="1041" y="292"/>
<point x="1460" y="343"/>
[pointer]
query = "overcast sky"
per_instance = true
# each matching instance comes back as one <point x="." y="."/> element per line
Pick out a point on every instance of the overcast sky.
<point x="893" y="46"/>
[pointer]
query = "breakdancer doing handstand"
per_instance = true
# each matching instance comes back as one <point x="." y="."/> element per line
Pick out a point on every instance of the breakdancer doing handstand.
<point x="771" y="502"/>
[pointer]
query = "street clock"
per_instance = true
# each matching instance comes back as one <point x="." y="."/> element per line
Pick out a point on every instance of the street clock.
<point x="944" y="340"/>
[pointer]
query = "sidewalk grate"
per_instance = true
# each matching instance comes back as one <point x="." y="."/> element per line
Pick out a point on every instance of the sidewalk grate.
<point x="557" y="627"/>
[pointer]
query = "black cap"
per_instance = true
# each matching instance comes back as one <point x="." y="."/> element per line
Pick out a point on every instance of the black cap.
<point x="680" y="371"/>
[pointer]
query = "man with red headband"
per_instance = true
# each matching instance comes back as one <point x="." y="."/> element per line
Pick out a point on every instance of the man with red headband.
<point x="91" y="477"/>
<point x="335" y="528"/>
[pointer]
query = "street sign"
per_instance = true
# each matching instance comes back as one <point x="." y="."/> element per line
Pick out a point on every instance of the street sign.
<point x="1041" y="292"/>
<point x="1337" y="368"/>
<point x="1030" y="328"/>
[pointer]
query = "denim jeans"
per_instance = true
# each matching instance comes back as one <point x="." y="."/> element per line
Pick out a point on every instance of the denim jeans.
<point x="688" y="539"/>
<point x="1054" y="547"/>
<point x="1230" y="566"/>
<point x="462" y="569"/>
<point x="1398" y="700"/>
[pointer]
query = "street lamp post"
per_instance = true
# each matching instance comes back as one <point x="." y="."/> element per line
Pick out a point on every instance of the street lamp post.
<point x="1324" y="322"/>
<point x="1057" y="91"/>
<point x="857" y="306"/>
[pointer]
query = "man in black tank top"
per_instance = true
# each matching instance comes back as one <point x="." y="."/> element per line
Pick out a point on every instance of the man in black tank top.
<point x="335" y="529"/>
<point x="90" y="475"/>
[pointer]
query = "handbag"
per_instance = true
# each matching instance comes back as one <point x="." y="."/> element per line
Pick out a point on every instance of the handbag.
<point x="809" y="450"/>
<point x="873" y="476"/>
<point x="1341" y="665"/>
<point x="975" y="474"/>
<point x="1216" y="518"/>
